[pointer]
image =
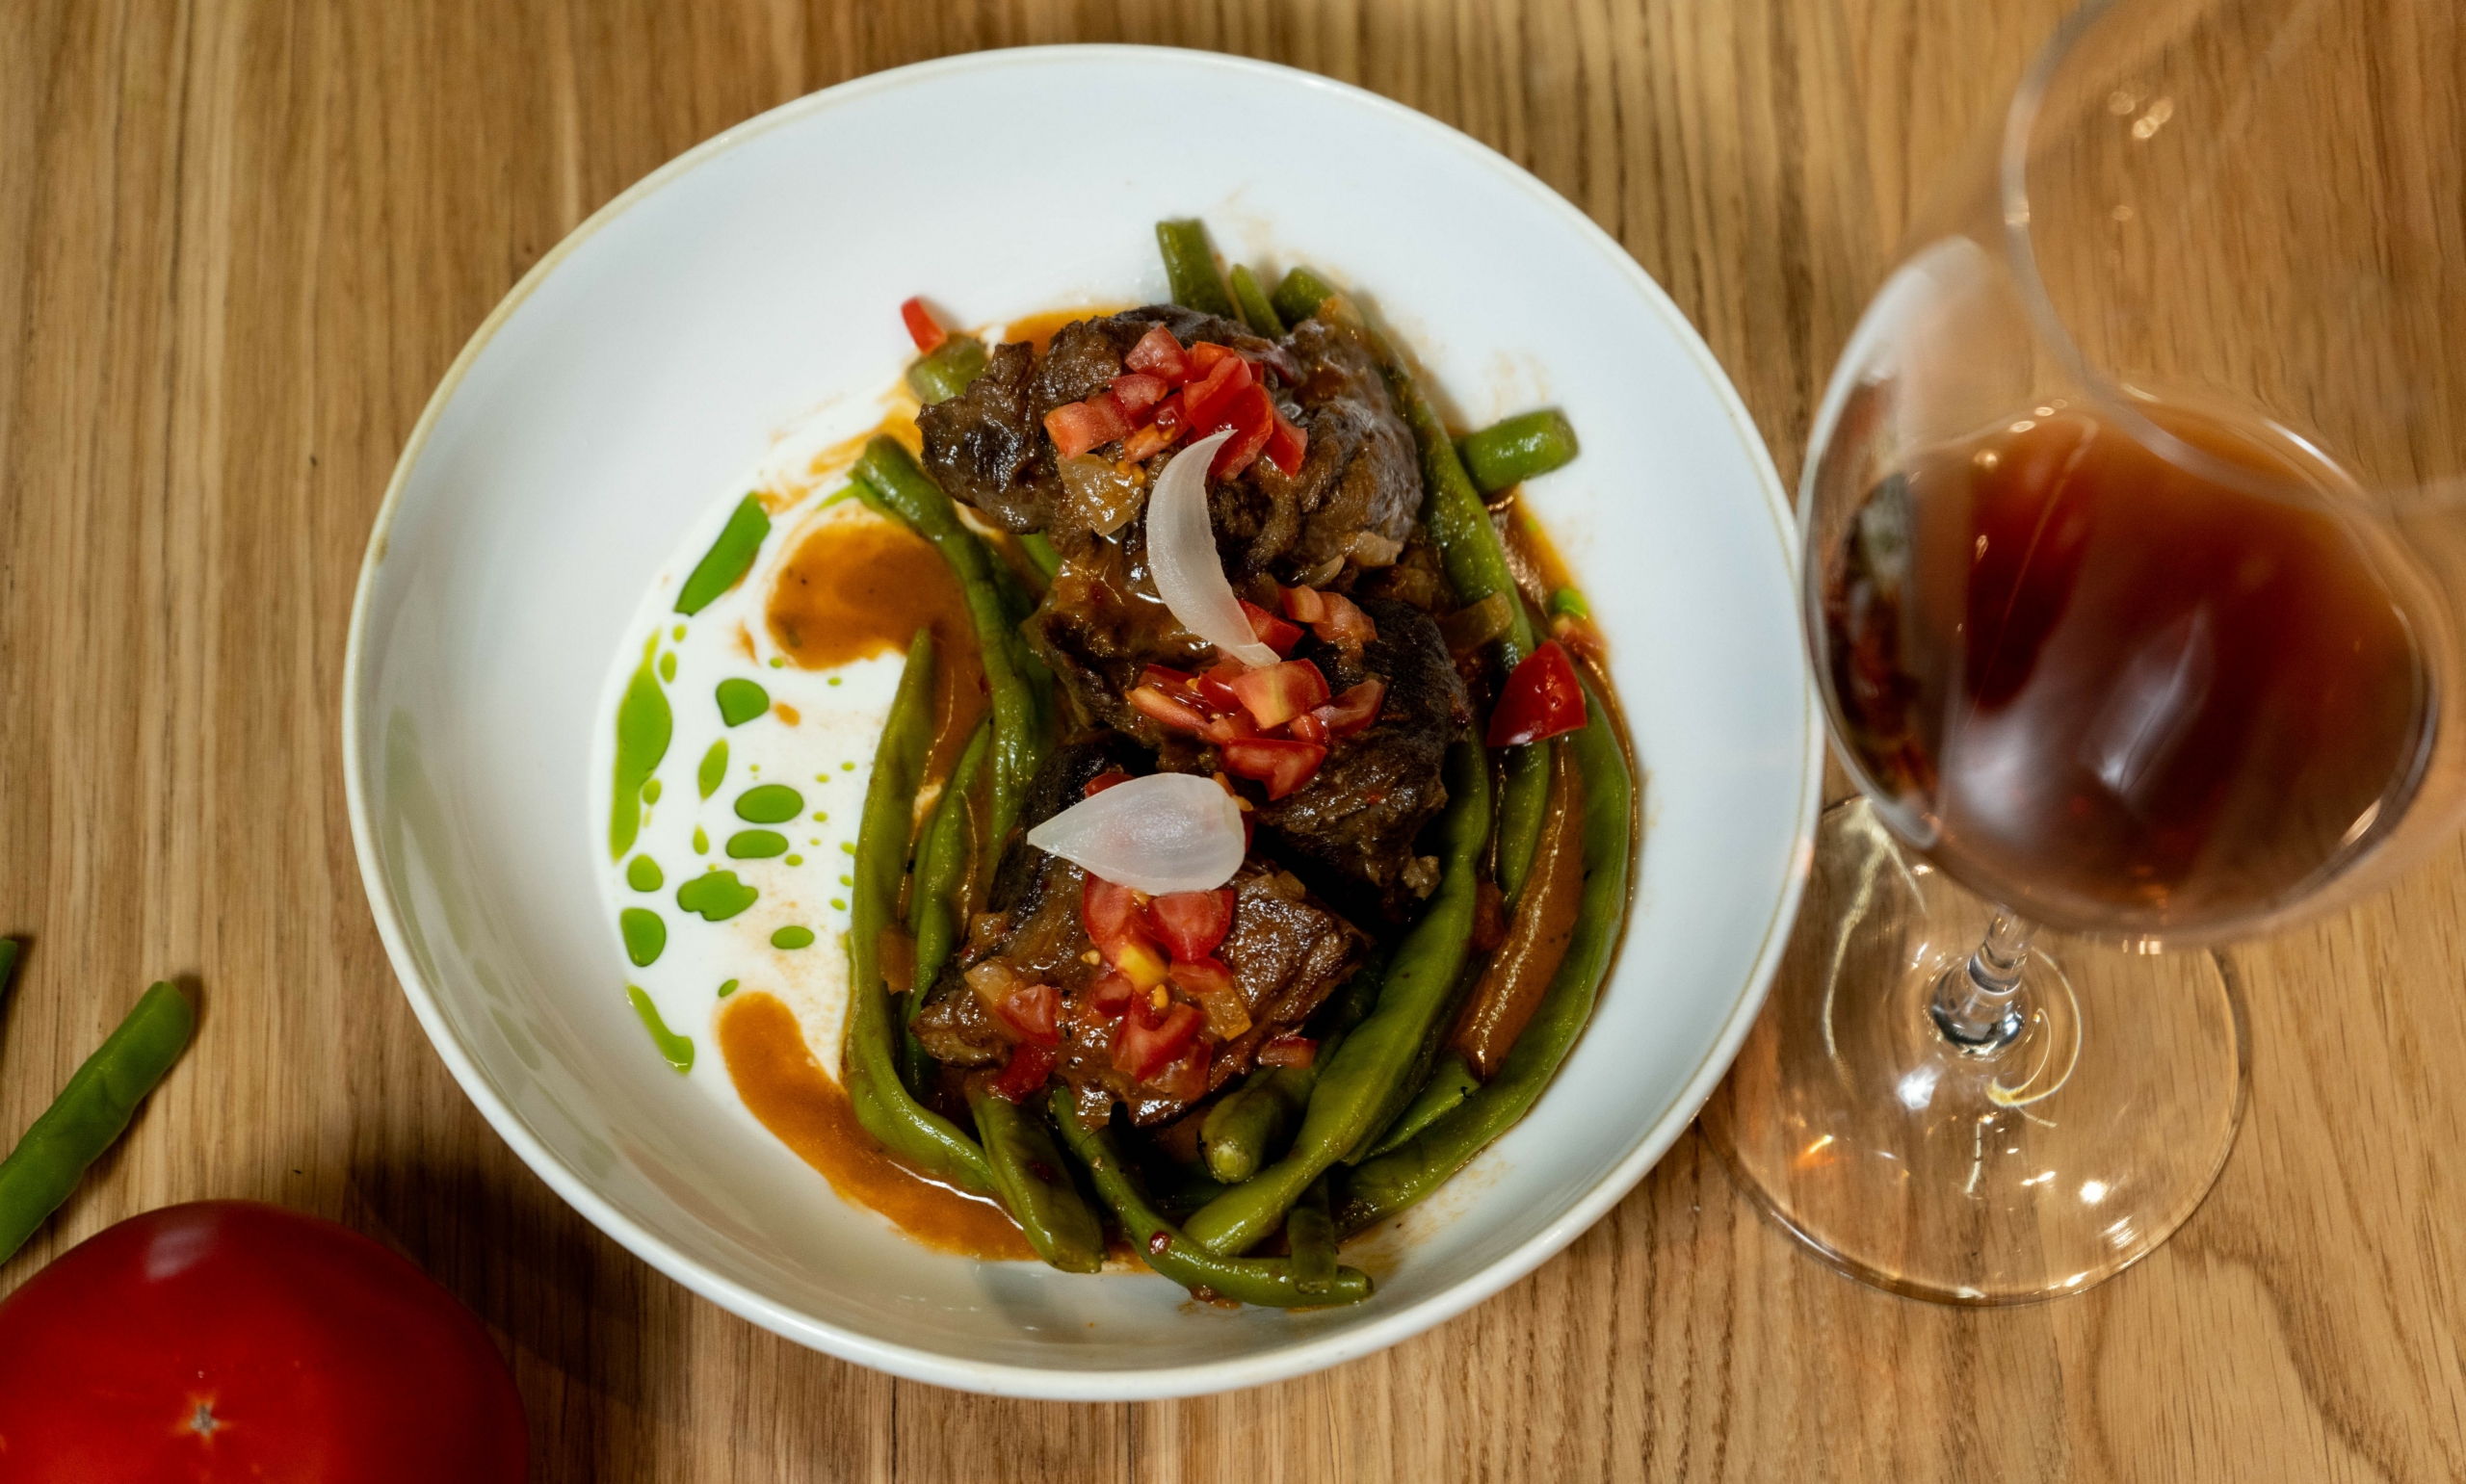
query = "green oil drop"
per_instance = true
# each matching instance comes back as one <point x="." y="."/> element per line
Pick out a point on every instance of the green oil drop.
<point x="727" y="989"/>
<point x="756" y="845"/>
<point x="794" y="860"/>
<point x="643" y="726"/>
<point x="643" y="874"/>
<point x="650" y="791"/>
<point x="675" y="1050"/>
<point x="667" y="667"/>
<point x="716" y="896"/>
<point x="645" y="935"/>
<point x="678" y="634"/>
<point x="701" y="842"/>
<point x="714" y="770"/>
<point x="773" y="803"/>
<point x="728" y="559"/>
<point x="792" y="938"/>
<point x="741" y="700"/>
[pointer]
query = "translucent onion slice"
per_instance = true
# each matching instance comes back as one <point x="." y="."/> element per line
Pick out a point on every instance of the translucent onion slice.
<point x="1181" y="551"/>
<point x="1166" y="832"/>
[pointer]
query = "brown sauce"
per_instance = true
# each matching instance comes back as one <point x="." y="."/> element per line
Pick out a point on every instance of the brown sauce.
<point x="784" y="1087"/>
<point x="1037" y="329"/>
<point x="859" y="586"/>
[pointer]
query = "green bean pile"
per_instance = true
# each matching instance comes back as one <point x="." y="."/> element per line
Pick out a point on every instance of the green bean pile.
<point x="1383" y="1114"/>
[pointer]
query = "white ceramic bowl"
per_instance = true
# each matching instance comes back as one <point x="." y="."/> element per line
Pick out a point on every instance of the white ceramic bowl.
<point x="650" y="358"/>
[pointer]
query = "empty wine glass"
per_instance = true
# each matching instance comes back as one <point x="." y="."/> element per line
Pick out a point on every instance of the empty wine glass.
<point x="2135" y="560"/>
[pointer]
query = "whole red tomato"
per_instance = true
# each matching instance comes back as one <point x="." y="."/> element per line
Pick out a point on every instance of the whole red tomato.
<point x="232" y="1340"/>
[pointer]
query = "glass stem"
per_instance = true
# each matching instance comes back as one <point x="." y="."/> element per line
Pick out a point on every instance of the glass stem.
<point x="1977" y="1001"/>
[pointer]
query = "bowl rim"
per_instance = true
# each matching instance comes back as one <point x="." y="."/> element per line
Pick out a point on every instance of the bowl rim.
<point x="1282" y="1362"/>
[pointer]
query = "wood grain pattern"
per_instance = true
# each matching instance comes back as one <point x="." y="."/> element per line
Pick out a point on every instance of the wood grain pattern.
<point x="240" y="243"/>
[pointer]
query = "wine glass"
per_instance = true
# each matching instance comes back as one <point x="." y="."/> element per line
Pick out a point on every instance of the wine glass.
<point x="2136" y="556"/>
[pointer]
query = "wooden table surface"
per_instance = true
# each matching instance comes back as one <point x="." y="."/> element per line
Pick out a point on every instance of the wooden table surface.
<point x="240" y="244"/>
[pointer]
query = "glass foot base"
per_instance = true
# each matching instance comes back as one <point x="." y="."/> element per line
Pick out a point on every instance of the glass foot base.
<point x="2027" y="1171"/>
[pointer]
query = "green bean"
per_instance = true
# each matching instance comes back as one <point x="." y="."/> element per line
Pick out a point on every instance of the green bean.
<point x="948" y="370"/>
<point x="1311" y="1237"/>
<point x="1383" y="1186"/>
<point x="1299" y="297"/>
<point x="881" y="1100"/>
<point x="1033" y="1184"/>
<point x="90" y="1112"/>
<point x="1477" y="565"/>
<point x="932" y="912"/>
<point x="1361" y="1085"/>
<point x="1568" y="603"/>
<point x="1508" y="452"/>
<point x="1247" y="1126"/>
<point x="888" y="481"/>
<point x="1178" y="1189"/>
<point x="1450" y="1083"/>
<point x="1040" y="555"/>
<point x="1257" y="311"/>
<point x="1189" y="266"/>
<point x="1267" y="1282"/>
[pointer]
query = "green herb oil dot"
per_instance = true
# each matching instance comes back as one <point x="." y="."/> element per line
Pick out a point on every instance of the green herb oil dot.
<point x="773" y="803"/>
<point x="796" y="860"/>
<point x="643" y="874"/>
<point x="643" y="725"/>
<point x="645" y="935"/>
<point x="716" y="896"/>
<point x="701" y="842"/>
<point x="667" y="667"/>
<point x="779" y="662"/>
<point x="792" y="938"/>
<point x="741" y="700"/>
<point x="650" y="791"/>
<point x="676" y="1050"/>
<point x="714" y="770"/>
<point x="727" y="989"/>
<point x="835" y="679"/>
<point x="841" y="905"/>
<point x="756" y="845"/>
<point x="678" y="634"/>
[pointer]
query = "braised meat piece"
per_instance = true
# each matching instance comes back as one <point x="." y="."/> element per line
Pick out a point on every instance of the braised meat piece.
<point x="1351" y="827"/>
<point x="987" y="445"/>
<point x="1285" y="950"/>
<point x="1350" y="508"/>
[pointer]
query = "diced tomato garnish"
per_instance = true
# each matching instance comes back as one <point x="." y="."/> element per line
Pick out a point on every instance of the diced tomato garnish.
<point x="1030" y="1064"/>
<point x="1252" y="418"/>
<point x="1305" y="605"/>
<point x="1076" y="427"/>
<point x="1274" y="694"/>
<point x="1114" y="914"/>
<point x="1281" y="764"/>
<point x="1103" y="781"/>
<point x="1205" y="400"/>
<point x="1165" y="678"/>
<point x="1215" y="684"/>
<point x="1232" y="726"/>
<point x="1288" y="1050"/>
<point x="1033" y="1010"/>
<point x="1540" y="699"/>
<point x="1355" y="710"/>
<point x="1209" y="983"/>
<point x="1148" y="1039"/>
<point x="1185" y="1080"/>
<point x="922" y="329"/>
<point x="1191" y="923"/>
<point x="1269" y="630"/>
<point x="1136" y="392"/>
<point x="1307" y="727"/>
<point x="1145" y="443"/>
<point x="1286" y="444"/>
<point x="1346" y="623"/>
<point x="1167" y="709"/>
<point x="1110" y="994"/>
<point x="1159" y="354"/>
<point x="1171" y="419"/>
<point x="1207" y="355"/>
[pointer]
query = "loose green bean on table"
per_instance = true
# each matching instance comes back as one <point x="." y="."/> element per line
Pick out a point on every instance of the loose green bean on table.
<point x="1362" y="1086"/>
<point x="881" y="1100"/>
<point x="1267" y="1282"/>
<point x="1029" y="1173"/>
<point x="1386" y="1183"/>
<point x="90" y="1112"/>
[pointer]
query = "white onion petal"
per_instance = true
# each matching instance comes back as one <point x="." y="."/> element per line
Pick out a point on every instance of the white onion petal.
<point x="1181" y="551"/>
<point x="1166" y="832"/>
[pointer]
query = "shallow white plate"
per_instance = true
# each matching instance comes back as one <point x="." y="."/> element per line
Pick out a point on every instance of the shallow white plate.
<point x="652" y="357"/>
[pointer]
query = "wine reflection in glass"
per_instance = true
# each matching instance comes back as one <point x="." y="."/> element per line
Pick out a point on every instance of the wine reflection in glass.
<point x="2135" y="552"/>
